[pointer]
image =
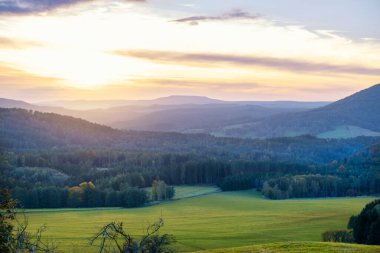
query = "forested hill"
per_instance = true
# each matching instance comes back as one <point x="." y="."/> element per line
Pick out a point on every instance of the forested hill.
<point x="32" y="129"/>
<point x="22" y="129"/>
<point x="352" y="116"/>
<point x="368" y="158"/>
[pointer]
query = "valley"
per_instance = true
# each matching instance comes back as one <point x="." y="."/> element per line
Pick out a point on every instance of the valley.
<point x="217" y="220"/>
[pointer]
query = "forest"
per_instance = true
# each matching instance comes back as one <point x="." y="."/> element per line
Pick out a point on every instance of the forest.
<point x="49" y="160"/>
<point x="95" y="178"/>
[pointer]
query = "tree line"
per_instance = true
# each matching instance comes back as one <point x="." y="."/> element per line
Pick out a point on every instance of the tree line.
<point x="84" y="195"/>
<point x="306" y="186"/>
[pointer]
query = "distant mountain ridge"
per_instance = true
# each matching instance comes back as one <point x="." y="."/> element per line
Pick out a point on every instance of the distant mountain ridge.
<point x="174" y="100"/>
<point x="106" y="104"/>
<point x="189" y="114"/>
<point x="360" y="110"/>
<point x="199" y="118"/>
<point x="355" y="115"/>
<point x="10" y="103"/>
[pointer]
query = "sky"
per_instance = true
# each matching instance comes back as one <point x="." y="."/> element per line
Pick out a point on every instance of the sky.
<point x="315" y="50"/>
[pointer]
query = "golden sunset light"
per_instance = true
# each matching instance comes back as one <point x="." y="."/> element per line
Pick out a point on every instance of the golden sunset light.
<point x="97" y="45"/>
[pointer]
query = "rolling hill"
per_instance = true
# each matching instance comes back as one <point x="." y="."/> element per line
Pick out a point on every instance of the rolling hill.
<point x="352" y="116"/>
<point x="22" y="129"/>
<point x="188" y="114"/>
<point x="106" y="104"/>
<point x="10" y="103"/>
<point x="174" y="100"/>
<point x="199" y="118"/>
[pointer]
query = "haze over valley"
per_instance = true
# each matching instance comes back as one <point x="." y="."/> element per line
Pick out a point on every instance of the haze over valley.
<point x="353" y="116"/>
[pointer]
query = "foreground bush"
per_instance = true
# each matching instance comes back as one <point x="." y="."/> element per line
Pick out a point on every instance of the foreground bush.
<point x="113" y="238"/>
<point x="338" y="236"/>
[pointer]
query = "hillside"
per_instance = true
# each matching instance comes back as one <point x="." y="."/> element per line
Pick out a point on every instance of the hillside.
<point x="189" y="114"/>
<point x="10" y="103"/>
<point x="199" y="118"/>
<point x="22" y="129"/>
<point x="350" y="117"/>
<point x="299" y="247"/>
<point x="356" y="115"/>
<point x="174" y="100"/>
<point x="105" y="104"/>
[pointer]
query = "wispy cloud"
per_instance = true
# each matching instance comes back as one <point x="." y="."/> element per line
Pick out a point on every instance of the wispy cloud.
<point x="370" y="39"/>
<point x="6" y="42"/>
<point x="234" y="14"/>
<point x="19" y="84"/>
<point x="222" y="85"/>
<point x="33" y="6"/>
<point x="11" y="77"/>
<point x="195" y="83"/>
<point x="212" y="60"/>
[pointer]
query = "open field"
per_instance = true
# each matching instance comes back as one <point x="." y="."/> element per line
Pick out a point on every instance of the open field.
<point x="348" y="132"/>
<point x="218" y="220"/>
<point x="189" y="191"/>
<point x="193" y="191"/>
<point x="300" y="247"/>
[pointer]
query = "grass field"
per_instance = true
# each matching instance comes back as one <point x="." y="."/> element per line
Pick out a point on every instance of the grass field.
<point x="300" y="247"/>
<point x="218" y="220"/>
<point x="193" y="191"/>
<point x="348" y="132"/>
<point x="189" y="191"/>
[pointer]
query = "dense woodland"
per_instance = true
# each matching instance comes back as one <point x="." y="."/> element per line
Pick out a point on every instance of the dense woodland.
<point x="31" y="130"/>
<point x="48" y="160"/>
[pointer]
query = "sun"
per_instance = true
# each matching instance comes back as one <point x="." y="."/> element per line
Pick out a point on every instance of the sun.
<point x="92" y="69"/>
<point x="82" y="68"/>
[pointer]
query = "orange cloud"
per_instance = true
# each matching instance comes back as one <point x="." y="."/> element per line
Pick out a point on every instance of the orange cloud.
<point x="6" y="42"/>
<point x="211" y="59"/>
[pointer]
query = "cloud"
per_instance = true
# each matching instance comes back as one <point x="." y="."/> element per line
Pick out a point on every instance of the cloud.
<point x="212" y="60"/>
<point x="220" y="84"/>
<point x="12" y="77"/>
<point x="30" y="6"/>
<point x="19" y="84"/>
<point x="35" y="6"/>
<point x="370" y="39"/>
<point x="6" y="42"/>
<point x="234" y="14"/>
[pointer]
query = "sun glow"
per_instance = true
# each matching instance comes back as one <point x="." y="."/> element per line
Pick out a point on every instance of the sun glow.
<point x="79" y="67"/>
<point x="77" y="48"/>
<point x="83" y="68"/>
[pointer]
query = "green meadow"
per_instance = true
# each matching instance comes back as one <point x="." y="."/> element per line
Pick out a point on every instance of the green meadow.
<point x="189" y="191"/>
<point x="300" y="247"/>
<point x="213" y="221"/>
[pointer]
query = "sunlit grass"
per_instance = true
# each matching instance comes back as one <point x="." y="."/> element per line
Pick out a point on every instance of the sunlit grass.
<point x="300" y="247"/>
<point x="218" y="220"/>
